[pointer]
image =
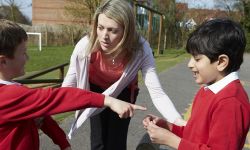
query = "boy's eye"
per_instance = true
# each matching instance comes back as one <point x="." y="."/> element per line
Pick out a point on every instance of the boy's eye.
<point x="196" y="58"/>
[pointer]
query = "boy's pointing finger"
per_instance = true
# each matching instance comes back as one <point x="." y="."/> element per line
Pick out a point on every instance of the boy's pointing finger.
<point x="138" y="107"/>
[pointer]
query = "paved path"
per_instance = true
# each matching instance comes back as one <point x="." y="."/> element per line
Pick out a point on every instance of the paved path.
<point x="179" y="85"/>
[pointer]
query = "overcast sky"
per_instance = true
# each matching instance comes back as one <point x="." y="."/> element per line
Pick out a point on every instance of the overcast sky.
<point x="27" y="9"/>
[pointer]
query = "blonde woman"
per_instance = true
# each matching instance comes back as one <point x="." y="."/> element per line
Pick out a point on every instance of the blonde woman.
<point x="107" y="61"/>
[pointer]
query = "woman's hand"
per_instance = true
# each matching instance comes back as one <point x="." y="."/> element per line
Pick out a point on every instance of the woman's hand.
<point x="123" y="109"/>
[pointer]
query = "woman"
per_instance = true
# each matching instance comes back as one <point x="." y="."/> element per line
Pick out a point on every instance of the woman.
<point x="108" y="62"/>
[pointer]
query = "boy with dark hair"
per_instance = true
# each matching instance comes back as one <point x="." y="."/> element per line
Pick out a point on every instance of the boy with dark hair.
<point x="220" y="115"/>
<point x="20" y="106"/>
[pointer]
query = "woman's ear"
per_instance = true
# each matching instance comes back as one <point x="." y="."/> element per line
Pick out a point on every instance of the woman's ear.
<point x="223" y="61"/>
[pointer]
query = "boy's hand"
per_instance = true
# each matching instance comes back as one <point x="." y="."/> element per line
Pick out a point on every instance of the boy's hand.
<point x="157" y="134"/>
<point x="123" y="109"/>
<point x="156" y="120"/>
<point x="162" y="136"/>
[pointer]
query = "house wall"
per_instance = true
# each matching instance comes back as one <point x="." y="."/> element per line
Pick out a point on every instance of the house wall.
<point x="50" y="12"/>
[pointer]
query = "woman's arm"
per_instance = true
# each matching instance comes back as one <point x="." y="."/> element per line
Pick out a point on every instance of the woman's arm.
<point x="160" y="99"/>
<point x="70" y="79"/>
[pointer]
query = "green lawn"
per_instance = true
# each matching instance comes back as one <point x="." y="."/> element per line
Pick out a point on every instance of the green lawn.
<point x="48" y="57"/>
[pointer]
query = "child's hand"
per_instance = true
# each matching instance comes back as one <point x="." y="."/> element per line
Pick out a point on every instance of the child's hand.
<point x="156" y="120"/>
<point x="149" y="118"/>
<point x="162" y="136"/>
<point x="157" y="134"/>
<point x="123" y="109"/>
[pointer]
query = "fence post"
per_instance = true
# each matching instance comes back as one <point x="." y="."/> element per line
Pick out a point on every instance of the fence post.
<point x="150" y="16"/>
<point x="159" y="38"/>
<point x="61" y="74"/>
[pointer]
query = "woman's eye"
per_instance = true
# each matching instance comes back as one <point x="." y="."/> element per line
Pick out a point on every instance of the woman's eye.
<point x="99" y="28"/>
<point x="114" y="31"/>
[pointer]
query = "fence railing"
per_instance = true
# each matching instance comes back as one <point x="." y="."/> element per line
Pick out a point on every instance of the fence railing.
<point x="30" y="79"/>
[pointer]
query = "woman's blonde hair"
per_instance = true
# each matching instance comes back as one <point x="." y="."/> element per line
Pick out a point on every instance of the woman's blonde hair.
<point x="122" y="13"/>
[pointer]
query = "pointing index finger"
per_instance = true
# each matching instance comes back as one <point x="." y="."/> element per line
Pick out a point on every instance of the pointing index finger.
<point x="138" y="107"/>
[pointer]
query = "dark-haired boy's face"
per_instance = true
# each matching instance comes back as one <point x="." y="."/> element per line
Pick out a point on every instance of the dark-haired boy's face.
<point x="204" y="72"/>
<point x="16" y="64"/>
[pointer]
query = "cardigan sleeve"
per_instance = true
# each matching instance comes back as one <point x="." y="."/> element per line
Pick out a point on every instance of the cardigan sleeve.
<point x="160" y="99"/>
<point x="26" y="103"/>
<point x="70" y="79"/>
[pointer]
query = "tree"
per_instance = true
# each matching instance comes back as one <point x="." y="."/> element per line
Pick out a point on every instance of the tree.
<point x="246" y="19"/>
<point x="172" y="30"/>
<point x="11" y="11"/>
<point x="229" y="5"/>
<point x="78" y="9"/>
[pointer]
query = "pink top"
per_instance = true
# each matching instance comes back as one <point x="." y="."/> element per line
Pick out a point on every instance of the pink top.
<point x="103" y="72"/>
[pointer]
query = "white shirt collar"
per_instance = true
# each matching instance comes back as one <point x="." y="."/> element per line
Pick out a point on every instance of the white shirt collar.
<point x="219" y="85"/>
<point x="8" y="82"/>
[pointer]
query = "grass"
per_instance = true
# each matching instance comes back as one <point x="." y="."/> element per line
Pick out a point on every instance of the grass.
<point x="48" y="57"/>
<point x="170" y="58"/>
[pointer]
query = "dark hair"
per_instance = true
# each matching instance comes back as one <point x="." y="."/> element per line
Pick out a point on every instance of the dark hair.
<point x="216" y="37"/>
<point x="11" y="35"/>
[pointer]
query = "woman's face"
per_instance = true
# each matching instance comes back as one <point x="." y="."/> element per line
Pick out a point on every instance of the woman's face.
<point x="109" y="32"/>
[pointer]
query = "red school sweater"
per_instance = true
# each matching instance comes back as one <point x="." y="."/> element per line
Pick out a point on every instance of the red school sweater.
<point x="218" y="121"/>
<point x="19" y="106"/>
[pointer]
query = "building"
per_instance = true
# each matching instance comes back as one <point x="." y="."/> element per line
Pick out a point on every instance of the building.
<point x="51" y="12"/>
<point x="183" y="14"/>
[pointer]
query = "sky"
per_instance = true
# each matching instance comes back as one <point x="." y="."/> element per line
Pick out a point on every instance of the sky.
<point x="27" y="8"/>
<point x="198" y="3"/>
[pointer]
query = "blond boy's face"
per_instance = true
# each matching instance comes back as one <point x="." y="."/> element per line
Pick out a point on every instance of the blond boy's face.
<point x="204" y="72"/>
<point x="16" y="64"/>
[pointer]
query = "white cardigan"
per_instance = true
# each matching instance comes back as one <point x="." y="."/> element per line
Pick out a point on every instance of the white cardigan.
<point x="77" y="76"/>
